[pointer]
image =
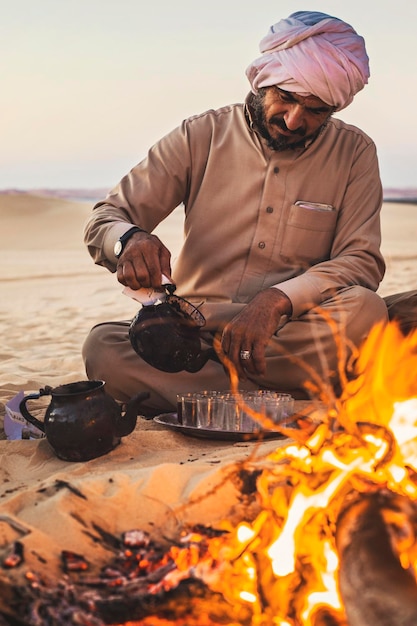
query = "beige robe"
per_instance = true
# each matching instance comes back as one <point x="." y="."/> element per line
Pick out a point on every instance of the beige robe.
<point x="306" y="221"/>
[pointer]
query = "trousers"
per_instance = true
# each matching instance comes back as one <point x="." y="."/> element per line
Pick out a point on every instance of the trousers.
<point x="308" y="349"/>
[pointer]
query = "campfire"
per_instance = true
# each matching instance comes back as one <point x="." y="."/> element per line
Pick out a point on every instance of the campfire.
<point x="331" y="539"/>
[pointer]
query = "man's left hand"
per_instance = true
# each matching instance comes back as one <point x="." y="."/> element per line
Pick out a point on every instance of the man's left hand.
<point x="248" y="334"/>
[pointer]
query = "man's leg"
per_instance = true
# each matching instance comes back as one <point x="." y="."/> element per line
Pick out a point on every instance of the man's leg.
<point x="402" y="307"/>
<point x="314" y="346"/>
<point x="109" y="356"/>
<point x="302" y="349"/>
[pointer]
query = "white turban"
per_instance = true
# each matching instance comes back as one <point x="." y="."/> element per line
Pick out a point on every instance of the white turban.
<point x="312" y="53"/>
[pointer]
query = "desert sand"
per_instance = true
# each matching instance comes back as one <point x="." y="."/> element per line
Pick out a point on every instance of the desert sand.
<point x="51" y="295"/>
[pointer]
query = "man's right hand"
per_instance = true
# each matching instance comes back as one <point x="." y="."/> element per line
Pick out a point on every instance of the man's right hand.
<point x="143" y="261"/>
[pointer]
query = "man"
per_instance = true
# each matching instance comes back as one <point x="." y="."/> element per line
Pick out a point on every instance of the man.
<point x="282" y="225"/>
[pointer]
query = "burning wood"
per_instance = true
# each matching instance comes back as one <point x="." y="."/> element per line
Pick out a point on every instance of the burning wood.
<point x="376" y="538"/>
<point x="15" y="557"/>
<point x="73" y="562"/>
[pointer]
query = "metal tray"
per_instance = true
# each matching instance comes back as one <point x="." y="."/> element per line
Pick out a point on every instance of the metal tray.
<point x="170" y="420"/>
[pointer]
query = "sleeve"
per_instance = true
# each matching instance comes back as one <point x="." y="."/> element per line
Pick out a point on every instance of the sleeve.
<point x="144" y="197"/>
<point x="355" y="257"/>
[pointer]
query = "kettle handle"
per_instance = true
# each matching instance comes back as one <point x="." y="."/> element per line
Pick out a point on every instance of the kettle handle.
<point x="24" y="411"/>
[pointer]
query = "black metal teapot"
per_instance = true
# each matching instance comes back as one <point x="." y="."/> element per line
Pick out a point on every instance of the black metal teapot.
<point x="166" y="334"/>
<point x="82" y="420"/>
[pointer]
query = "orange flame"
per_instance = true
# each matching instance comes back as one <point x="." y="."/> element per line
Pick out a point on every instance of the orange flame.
<point x="284" y="564"/>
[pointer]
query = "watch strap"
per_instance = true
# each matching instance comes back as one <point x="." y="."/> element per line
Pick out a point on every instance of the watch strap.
<point x="126" y="236"/>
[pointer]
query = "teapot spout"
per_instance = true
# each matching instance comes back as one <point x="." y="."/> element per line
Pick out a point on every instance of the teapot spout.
<point x="128" y="419"/>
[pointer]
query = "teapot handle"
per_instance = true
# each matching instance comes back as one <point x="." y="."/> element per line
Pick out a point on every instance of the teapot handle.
<point x="24" y="411"/>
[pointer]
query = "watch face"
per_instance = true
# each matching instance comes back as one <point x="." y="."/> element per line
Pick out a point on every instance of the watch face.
<point x="118" y="247"/>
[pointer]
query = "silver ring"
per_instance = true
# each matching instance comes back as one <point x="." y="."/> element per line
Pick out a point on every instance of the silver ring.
<point x="245" y="355"/>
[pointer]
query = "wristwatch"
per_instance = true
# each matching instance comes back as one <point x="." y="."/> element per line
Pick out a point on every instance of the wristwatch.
<point x="119" y="246"/>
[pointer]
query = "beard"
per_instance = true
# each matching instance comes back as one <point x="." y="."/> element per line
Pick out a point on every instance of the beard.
<point x="296" y="140"/>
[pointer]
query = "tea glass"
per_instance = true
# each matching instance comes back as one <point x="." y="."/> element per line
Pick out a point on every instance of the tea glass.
<point x="187" y="409"/>
<point x="235" y="412"/>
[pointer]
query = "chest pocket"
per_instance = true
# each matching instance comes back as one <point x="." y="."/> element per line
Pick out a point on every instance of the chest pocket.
<point x="308" y="234"/>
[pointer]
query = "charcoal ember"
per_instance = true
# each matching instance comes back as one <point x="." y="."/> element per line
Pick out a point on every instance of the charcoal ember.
<point x="130" y="587"/>
<point x="188" y="601"/>
<point x="73" y="562"/>
<point x="71" y="604"/>
<point x="208" y="531"/>
<point x="14" y="558"/>
<point x="45" y="605"/>
<point x="140" y="561"/>
<point x="111" y="572"/>
<point x="150" y="567"/>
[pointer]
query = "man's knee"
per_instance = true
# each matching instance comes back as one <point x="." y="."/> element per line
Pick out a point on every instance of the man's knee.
<point x="92" y="357"/>
<point x="91" y="346"/>
<point x="402" y="307"/>
<point x="363" y="309"/>
<point x="103" y="348"/>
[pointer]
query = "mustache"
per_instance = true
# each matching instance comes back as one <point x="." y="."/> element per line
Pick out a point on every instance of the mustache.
<point x="278" y="121"/>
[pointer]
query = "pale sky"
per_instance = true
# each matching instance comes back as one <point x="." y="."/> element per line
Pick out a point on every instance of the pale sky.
<point x="89" y="85"/>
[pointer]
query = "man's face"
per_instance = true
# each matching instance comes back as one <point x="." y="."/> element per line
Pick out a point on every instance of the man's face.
<point x="286" y="119"/>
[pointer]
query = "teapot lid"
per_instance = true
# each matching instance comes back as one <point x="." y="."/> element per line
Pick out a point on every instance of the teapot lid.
<point x="186" y="309"/>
